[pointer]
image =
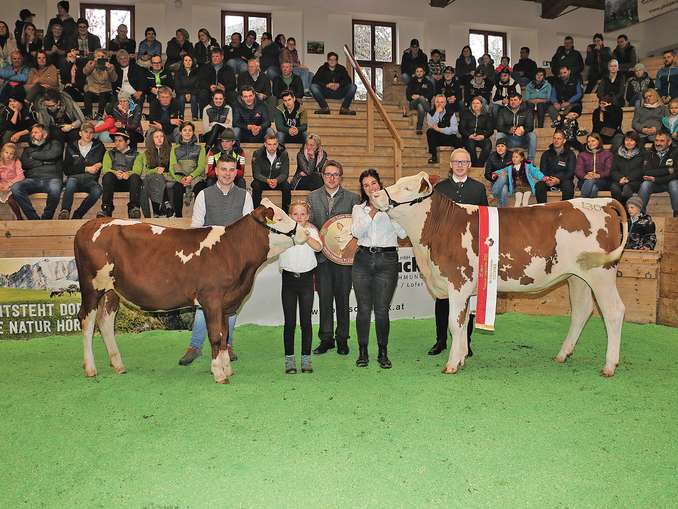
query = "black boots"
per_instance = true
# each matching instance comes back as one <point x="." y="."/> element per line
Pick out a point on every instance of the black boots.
<point x="363" y="358"/>
<point x="323" y="347"/>
<point x="437" y="348"/>
<point x="382" y="358"/>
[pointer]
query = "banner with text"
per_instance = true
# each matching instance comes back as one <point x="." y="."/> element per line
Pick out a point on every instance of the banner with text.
<point x="623" y="13"/>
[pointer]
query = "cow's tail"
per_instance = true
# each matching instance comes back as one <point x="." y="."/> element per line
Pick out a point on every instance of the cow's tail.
<point x="589" y="260"/>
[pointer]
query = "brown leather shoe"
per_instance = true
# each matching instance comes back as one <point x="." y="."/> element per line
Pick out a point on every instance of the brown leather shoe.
<point x="191" y="354"/>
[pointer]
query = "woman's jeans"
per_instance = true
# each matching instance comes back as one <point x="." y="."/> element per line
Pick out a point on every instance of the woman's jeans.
<point x="500" y="190"/>
<point x="195" y="105"/>
<point x="590" y="188"/>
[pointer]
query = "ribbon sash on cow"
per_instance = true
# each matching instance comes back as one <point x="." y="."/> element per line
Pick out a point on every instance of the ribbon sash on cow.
<point x="488" y="267"/>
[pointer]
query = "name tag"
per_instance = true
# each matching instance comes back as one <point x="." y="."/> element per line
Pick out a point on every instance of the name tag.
<point x="562" y="163"/>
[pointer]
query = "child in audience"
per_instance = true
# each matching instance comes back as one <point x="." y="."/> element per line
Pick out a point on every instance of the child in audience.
<point x="641" y="227"/>
<point x="10" y="173"/>
<point x="297" y="265"/>
<point x="670" y="122"/>
<point x="521" y="178"/>
<point x="570" y="126"/>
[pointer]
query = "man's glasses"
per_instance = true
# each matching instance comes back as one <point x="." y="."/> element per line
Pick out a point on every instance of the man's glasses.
<point x="333" y="175"/>
<point x="460" y="163"/>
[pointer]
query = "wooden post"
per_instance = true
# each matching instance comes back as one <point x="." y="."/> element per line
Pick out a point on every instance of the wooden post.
<point x="397" y="161"/>
<point x="370" y="124"/>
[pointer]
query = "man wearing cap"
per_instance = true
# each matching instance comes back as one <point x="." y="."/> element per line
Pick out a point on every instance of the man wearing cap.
<point x="413" y="57"/>
<point x="121" y="171"/>
<point x="227" y="148"/>
<point x="450" y="87"/>
<point x="25" y="16"/>
<point x="17" y="118"/>
<point x="479" y="86"/>
<point x="436" y="67"/>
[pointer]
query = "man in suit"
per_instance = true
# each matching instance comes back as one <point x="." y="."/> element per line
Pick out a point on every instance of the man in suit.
<point x="462" y="189"/>
<point x="334" y="280"/>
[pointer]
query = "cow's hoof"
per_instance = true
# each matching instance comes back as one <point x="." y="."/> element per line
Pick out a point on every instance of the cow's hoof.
<point x="90" y="373"/>
<point x="449" y="370"/>
<point x="121" y="370"/>
<point x="607" y="372"/>
<point x="223" y="382"/>
<point x="560" y="359"/>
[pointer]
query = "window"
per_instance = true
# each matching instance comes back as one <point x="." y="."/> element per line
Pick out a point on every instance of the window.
<point x="482" y="42"/>
<point x="373" y="46"/>
<point x="243" y="22"/>
<point x="104" y="20"/>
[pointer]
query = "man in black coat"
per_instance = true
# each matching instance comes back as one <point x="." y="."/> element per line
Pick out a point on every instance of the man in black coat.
<point x="216" y="76"/>
<point x="567" y="56"/>
<point x="333" y="82"/>
<point x="288" y="81"/>
<point x="558" y="164"/>
<point x="165" y="113"/>
<point x="659" y="175"/>
<point x="525" y="69"/>
<point x="462" y="189"/>
<point x="131" y="78"/>
<point x="412" y="58"/>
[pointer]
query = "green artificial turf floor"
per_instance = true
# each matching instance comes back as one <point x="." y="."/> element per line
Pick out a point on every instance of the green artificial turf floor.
<point x="512" y="430"/>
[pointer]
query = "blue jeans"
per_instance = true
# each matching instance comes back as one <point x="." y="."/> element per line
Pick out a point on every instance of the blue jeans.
<point x="199" y="331"/>
<point x="286" y="138"/>
<point x="22" y="191"/>
<point x="195" y="105"/>
<point x="306" y="77"/>
<point x="238" y="65"/>
<point x="590" y="188"/>
<point x="500" y="190"/>
<point x="84" y="184"/>
<point x="421" y="105"/>
<point x="648" y="188"/>
<point x="529" y="139"/>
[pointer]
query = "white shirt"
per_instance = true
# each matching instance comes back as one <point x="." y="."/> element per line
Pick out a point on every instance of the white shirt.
<point x="84" y="149"/>
<point x="459" y="180"/>
<point x="199" y="211"/>
<point x="380" y="231"/>
<point x="301" y="257"/>
<point x="271" y="157"/>
<point x="125" y="85"/>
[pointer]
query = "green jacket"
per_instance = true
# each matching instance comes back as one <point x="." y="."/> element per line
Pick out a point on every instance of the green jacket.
<point x="114" y="160"/>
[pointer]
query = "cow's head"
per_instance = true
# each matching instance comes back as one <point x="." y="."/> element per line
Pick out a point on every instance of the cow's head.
<point x="283" y="231"/>
<point x="408" y="191"/>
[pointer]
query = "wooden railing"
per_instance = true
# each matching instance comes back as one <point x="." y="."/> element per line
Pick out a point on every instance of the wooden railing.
<point x="372" y="103"/>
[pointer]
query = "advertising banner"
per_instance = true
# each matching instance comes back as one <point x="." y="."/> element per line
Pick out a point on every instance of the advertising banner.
<point x="622" y="13"/>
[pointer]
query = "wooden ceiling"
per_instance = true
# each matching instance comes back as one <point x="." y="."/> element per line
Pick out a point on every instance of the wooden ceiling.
<point x="550" y="9"/>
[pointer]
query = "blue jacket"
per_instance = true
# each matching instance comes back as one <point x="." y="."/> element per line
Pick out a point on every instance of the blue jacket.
<point x="531" y="92"/>
<point x="533" y="174"/>
<point x="665" y="123"/>
<point x="667" y="82"/>
<point x="9" y="74"/>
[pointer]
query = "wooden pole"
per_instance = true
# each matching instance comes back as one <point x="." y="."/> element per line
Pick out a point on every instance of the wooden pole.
<point x="370" y="124"/>
<point x="397" y="161"/>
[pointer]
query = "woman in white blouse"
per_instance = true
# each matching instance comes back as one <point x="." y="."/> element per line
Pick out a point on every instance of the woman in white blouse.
<point x="375" y="268"/>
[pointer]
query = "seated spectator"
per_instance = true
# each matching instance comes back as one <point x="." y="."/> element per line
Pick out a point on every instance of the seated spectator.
<point x="125" y="117"/>
<point x="149" y="47"/>
<point x="627" y="168"/>
<point x="216" y="117"/>
<point x="100" y="78"/>
<point x="504" y="87"/>
<point x="613" y="85"/>
<point x="121" y="173"/>
<point x="625" y="55"/>
<point x="515" y="123"/>
<point x="256" y="79"/>
<point x="270" y="169"/>
<point x="637" y="85"/>
<point x="155" y="175"/>
<point x="202" y="50"/>
<point x="569" y="124"/>
<point x="607" y="122"/>
<point x="177" y="48"/>
<point x="29" y="44"/>
<point x="538" y="95"/>
<point x="465" y="65"/>
<point x="82" y="166"/>
<point x="227" y="148"/>
<point x="522" y="179"/>
<point x="269" y="57"/>
<point x="14" y="76"/>
<point x="7" y="44"/>
<point x="670" y="121"/>
<point x="85" y="41"/>
<point x="216" y="76"/>
<point x="42" y="77"/>
<point x="290" y="54"/>
<point x="525" y="70"/>
<point x="59" y="113"/>
<point x="311" y="160"/>
<point x="131" y="78"/>
<point x="187" y="166"/>
<point x="291" y="122"/>
<point x="647" y="119"/>
<point x="63" y="17"/>
<point x="10" y="174"/>
<point x="659" y="174"/>
<point x="419" y="93"/>
<point x="333" y="82"/>
<point x="450" y="87"/>
<point x="236" y="55"/>
<point x="442" y="128"/>
<point x="667" y="77"/>
<point x="503" y="66"/>
<point x="25" y="16"/>
<point x="558" y="164"/>
<point x="598" y="57"/>
<point x="251" y="46"/>
<point x="436" y="67"/>
<point x="16" y="118"/>
<point x="486" y="66"/>
<point x="642" y="229"/>
<point x="594" y="164"/>
<point x="121" y="41"/>
<point x="412" y="58"/>
<point x="41" y="163"/>
<point x="287" y="81"/>
<point x="165" y="113"/>
<point x="56" y="45"/>
<point x="566" y="94"/>
<point x="479" y="86"/>
<point x="72" y="76"/>
<point x="476" y="127"/>
<point x="156" y="78"/>
<point x="250" y="118"/>
<point x="567" y="56"/>
<point x="500" y="158"/>
<point x="185" y="85"/>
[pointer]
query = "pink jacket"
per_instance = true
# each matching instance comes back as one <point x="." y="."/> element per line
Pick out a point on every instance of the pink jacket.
<point x="11" y="173"/>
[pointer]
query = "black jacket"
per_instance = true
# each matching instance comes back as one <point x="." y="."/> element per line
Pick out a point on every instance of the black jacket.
<point x="408" y="63"/>
<point x="74" y="163"/>
<point x="471" y="192"/>
<point x="166" y="79"/>
<point x="507" y="118"/>
<point x="462" y="68"/>
<point x="496" y="162"/>
<point x="557" y="165"/>
<point x="174" y="50"/>
<point x="471" y="123"/>
<point x="504" y="90"/>
<point x="25" y="121"/>
<point x="262" y="169"/>
<point x="527" y="67"/>
<point x="657" y="167"/>
<point x="630" y="168"/>
<point x="136" y="76"/>
<point x="473" y="89"/>
<point x="69" y="24"/>
<point x="65" y="75"/>
<point x="156" y="114"/>
<point x="296" y="86"/>
<point x="43" y="161"/>
<point x="129" y="45"/>
<point x="185" y="83"/>
<point x="239" y="53"/>
<point x="615" y="90"/>
<point x="326" y="75"/>
<point x="597" y="60"/>
<point x="262" y="85"/>
<point x="225" y="76"/>
<point x="64" y="44"/>
<point x="257" y="115"/>
<point x="612" y="117"/>
<point x="626" y="57"/>
<point x="202" y="53"/>
<point x="449" y="89"/>
<point x="270" y="56"/>
<point x="572" y="59"/>
<point x="93" y="42"/>
<point x="419" y="86"/>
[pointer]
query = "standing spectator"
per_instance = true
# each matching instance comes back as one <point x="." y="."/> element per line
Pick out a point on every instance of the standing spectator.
<point x="10" y="174"/>
<point x="642" y="229"/>
<point x="375" y="267"/>
<point x="155" y="174"/>
<point x="520" y="179"/>
<point x="659" y="173"/>
<point x="165" y="113"/>
<point x="269" y="57"/>
<point x="59" y="113"/>
<point x="216" y="117"/>
<point x="504" y="88"/>
<point x="670" y="121"/>
<point x="311" y="160"/>
<point x="131" y="78"/>
<point x="627" y="168"/>
<point x="442" y="127"/>
<point x="291" y="122"/>
<point x="121" y="173"/>
<point x="333" y="82"/>
<point x="667" y="77"/>
<point x="597" y="57"/>
<point x="216" y="76"/>
<point x="7" y="44"/>
<point x="86" y="42"/>
<point x="419" y="93"/>
<point x="178" y="47"/>
<point x="270" y="169"/>
<point x="256" y="79"/>
<point x="157" y="77"/>
<point x="100" y="78"/>
<point x="185" y="85"/>
<point x="607" y="122"/>
<point x="30" y="44"/>
<point x="290" y="54"/>
<point x="16" y="117"/>
<point x="227" y="148"/>
<point x="187" y="167"/>
<point x="250" y="118"/>
<point x="637" y="85"/>
<point x="486" y="66"/>
<point x="333" y="280"/>
<point x="121" y="41"/>
<point x="594" y="164"/>
<point x="251" y="45"/>
<point x="42" y="77"/>
<point x="25" y="16"/>
<point x="14" y="75"/>
<point x="203" y="48"/>
<point x="287" y="81"/>
<point x="56" y="45"/>
<point x="41" y="162"/>
<point x="479" y="86"/>
<point x="498" y="159"/>
<point x="566" y="95"/>
<point x="450" y="87"/>
<point x="465" y="65"/>
<point x="647" y="119"/>
<point x="297" y="265"/>
<point x="558" y="164"/>
<point x="625" y="55"/>
<point x="436" y="67"/>
<point x="149" y="47"/>
<point x="72" y="76"/>
<point x="613" y="85"/>
<point x="63" y="17"/>
<point x="538" y="95"/>
<point x="412" y="58"/>
<point x="236" y="55"/>
<point x="124" y="117"/>
<point x="84" y="160"/>
<point x="567" y="56"/>
<point x="515" y="123"/>
<point x="525" y="70"/>
<point x="476" y="128"/>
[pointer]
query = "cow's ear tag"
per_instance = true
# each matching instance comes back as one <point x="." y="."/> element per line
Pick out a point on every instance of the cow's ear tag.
<point x="269" y="221"/>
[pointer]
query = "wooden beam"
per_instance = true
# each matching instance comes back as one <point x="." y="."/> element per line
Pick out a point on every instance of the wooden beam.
<point x="440" y="3"/>
<point x="554" y="8"/>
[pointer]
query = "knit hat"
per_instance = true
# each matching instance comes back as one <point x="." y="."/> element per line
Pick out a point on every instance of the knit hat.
<point x="227" y="134"/>
<point x="635" y="201"/>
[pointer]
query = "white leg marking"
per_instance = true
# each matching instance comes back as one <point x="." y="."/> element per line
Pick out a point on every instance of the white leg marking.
<point x="225" y="362"/>
<point x="87" y="333"/>
<point x="107" y="328"/>
<point x="581" y="305"/>
<point x="218" y="370"/>
<point x="118" y="222"/>
<point x="612" y="309"/>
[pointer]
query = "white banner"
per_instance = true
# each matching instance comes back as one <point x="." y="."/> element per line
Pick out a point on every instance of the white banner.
<point x="648" y="9"/>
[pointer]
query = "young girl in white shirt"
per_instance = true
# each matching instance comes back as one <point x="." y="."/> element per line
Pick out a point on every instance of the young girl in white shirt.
<point x="297" y="265"/>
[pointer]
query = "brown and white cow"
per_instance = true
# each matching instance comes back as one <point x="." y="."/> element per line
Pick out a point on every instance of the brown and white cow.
<point x="154" y="268"/>
<point x="579" y="240"/>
